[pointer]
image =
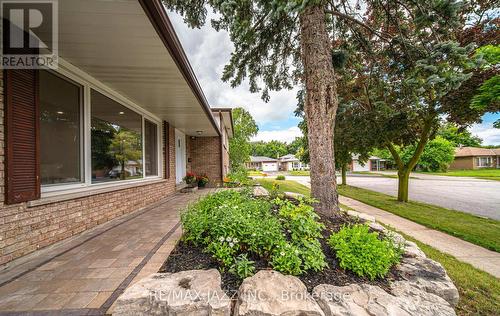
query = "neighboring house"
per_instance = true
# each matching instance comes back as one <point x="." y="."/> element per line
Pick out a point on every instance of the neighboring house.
<point x="290" y="162"/>
<point x="374" y="163"/>
<point x="123" y="80"/>
<point x="475" y="158"/>
<point x="261" y="163"/>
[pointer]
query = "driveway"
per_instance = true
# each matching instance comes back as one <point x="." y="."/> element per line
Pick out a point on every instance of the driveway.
<point x="475" y="196"/>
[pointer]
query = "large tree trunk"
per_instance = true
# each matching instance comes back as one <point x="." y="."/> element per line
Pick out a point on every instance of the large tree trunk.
<point x="403" y="183"/>
<point x="320" y="107"/>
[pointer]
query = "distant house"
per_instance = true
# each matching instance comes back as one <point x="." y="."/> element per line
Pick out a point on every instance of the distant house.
<point x="263" y="163"/>
<point x="290" y="162"/>
<point x="475" y="158"/>
<point x="374" y="163"/>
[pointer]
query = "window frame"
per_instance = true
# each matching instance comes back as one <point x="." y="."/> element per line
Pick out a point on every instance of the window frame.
<point x="88" y="83"/>
<point x="81" y="102"/>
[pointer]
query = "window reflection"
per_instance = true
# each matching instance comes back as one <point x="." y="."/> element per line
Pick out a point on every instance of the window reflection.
<point x="116" y="135"/>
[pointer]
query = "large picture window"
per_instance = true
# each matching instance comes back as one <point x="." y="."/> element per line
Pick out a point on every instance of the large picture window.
<point x="60" y="130"/>
<point x="92" y="136"/>
<point x="116" y="134"/>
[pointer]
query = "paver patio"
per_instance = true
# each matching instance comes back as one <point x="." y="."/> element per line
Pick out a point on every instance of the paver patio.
<point x="85" y="275"/>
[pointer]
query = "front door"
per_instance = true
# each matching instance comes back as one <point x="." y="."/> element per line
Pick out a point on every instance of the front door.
<point x="180" y="156"/>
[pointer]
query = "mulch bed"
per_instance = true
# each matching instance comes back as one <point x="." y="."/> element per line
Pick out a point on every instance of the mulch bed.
<point x="187" y="256"/>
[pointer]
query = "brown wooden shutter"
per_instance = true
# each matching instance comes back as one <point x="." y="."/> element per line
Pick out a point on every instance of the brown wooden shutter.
<point x="22" y="133"/>
<point x="166" y="148"/>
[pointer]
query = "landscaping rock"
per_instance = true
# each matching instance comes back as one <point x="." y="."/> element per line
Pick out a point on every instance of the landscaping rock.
<point x="365" y="300"/>
<point x="270" y="293"/>
<point x="412" y="250"/>
<point x="363" y="216"/>
<point x="421" y="300"/>
<point x="259" y="191"/>
<point x="398" y="239"/>
<point x="377" y="227"/>
<point x="294" y="195"/>
<point x="429" y="276"/>
<point x="194" y="292"/>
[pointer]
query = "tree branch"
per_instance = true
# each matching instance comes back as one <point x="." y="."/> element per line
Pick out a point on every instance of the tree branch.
<point x="358" y="22"/>
<point x="395" y="155"/>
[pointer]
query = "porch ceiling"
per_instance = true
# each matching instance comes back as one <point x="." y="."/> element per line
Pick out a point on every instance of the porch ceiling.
<point x="115" y="42"/>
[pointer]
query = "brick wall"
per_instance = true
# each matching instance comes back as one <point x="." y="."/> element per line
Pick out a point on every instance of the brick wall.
<point x="462" y="163"/>
<point x="205" y="153"/>
<point x="24" y="229"/>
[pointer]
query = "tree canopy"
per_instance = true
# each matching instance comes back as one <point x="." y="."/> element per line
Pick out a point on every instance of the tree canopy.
<point x="239" y="145"/>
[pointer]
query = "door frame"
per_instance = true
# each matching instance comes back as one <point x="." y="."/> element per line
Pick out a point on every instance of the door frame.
<point x="180" y="156"/>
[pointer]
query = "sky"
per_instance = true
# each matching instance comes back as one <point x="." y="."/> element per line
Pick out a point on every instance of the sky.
<point x="209" y="51"/>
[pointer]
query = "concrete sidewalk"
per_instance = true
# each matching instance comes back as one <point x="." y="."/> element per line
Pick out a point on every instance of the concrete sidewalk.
<point x="477" y="256"/>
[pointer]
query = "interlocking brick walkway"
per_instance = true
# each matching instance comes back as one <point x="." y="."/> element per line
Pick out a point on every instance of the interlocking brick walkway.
<point x="84" y="276"/>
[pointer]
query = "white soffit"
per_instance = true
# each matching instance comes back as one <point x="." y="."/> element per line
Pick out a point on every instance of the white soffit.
<point x="115" y="42"/>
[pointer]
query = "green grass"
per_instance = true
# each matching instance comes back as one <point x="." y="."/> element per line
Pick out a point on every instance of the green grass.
<point x="480" y="231"/>
<point x="488" y="174"/>
<point x="285" y="186"/>
<point x="479" y="291"/>
<point x="299" y="173"/>
<point x="254" y="173"/>
<point x="292" y="186"/>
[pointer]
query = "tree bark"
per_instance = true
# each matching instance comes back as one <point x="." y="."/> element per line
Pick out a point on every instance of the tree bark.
<point x="403" y="184"/>
<point x="320" y="107"/>
<point x="344" y="174"/>
<point x="404" y="170"/>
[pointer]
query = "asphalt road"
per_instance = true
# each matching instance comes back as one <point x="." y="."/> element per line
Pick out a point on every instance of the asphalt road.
<point x="475" y="196"/>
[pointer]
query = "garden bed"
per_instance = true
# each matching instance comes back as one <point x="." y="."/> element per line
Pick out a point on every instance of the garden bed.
<point x="189" y="256"/>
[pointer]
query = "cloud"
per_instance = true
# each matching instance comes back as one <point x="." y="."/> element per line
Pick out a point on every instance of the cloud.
<point x="287" y="135"/>
<point x="486" y="131"/>
<point x="208" y="52"/>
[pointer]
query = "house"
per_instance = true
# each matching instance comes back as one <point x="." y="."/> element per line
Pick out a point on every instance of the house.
<point x="124" y="91"/>
<point x="290" y="162"/>
<point x="374" y="163"/>
<point x="262" y="163"/>
<point x="475" y="158"/>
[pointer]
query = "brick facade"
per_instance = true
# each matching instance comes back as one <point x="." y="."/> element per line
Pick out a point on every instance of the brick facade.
<point x="25" y="228"/>
<point x="205" y="154"/>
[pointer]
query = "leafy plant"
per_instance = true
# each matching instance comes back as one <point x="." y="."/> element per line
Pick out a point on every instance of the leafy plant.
<point x="223" y="250"/>
<point x="280" y="177"/>
<point x="362" y="252"/>
<point x="202" y="180"/>
<point x="190" y="178"/>
<point x="286" y="259"/>
<point x="243" y="267"/>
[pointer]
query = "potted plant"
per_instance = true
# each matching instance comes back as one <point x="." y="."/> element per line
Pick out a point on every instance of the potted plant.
<point x="190" y="179"/>
<point x="202" y="180"/>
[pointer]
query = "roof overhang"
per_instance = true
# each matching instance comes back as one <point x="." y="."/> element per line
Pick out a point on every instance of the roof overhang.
<point x="131" y="47"/>
<point x="227" y="116"/>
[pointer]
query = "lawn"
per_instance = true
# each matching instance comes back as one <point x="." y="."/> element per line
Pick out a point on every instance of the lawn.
<point x="291" y="186"/>
<point x="480" y="231"/>
<point x="488" y="174"/>
<point x="299" y="173"/>
<point x="253" y="173"/>
<point x="479" y="291"/>
<point x="285" y="186"/>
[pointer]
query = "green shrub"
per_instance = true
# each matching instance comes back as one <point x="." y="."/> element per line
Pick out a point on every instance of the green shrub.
<point x="232" y="215"/>
<point x="243" y="267"/>
<point x="286" y="259"/>
<point x="280" y="177"/>
<point x="231" y="224"/>
<point x="363" y="252"/>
